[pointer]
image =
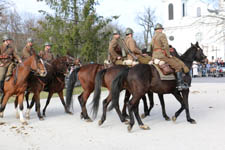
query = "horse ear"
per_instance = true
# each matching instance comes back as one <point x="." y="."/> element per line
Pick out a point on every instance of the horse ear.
<point x="196" y="43"/>
<point x="192" y="45"/>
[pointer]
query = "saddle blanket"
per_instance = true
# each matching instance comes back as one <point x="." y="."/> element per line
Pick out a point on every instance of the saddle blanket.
<point x="162" y="76"/>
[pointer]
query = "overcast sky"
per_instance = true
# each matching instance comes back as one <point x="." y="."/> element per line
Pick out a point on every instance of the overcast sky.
<point x="126" y="9"/>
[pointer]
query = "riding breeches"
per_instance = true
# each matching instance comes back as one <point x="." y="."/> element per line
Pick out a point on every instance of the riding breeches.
<point x="2" y="72"/>
<point x="173" y="63"/>
<point x="10" y="69"/>
<point x="118" y="62"/>
<point x="185" y="68"/>
<point x="143" y="59"/>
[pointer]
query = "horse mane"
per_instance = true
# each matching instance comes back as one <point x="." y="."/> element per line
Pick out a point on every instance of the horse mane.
<point x="187" y="53"/>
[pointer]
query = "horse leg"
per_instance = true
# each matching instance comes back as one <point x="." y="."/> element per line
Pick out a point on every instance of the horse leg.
<point x="16" y="104"/>
<point x="126" y="99"/>
<point x="185" y="94"/>
<point x="145" y="105"/>
<point x="180" y="99"/>
<point x="131" y="108"/>
<point x="27" y="99"/>
<point x="161" y="99"/>
<point x="104" y="104"/>
<point x="38" y="106"/>
<point x="136" y="113"/>
<point x="3" y="105"/>
<point x="30" y="107"/>
<point x="83" y="100"/>
<point x="47" y="102"/>
<point x="20" y="102"/>
<point x="63" y="102"/>
<point x="151" y="102"/>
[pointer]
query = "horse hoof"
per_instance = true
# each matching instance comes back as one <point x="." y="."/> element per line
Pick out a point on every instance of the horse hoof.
<point x="167" y="118"/>
<point x="100" y="122"/>
<point x="126" y="122"/>
<point x="88" y="120"/>
<point x="70" y="113"/>
<point x="41" y="118"/>
<point x="145" y="127"/>
<point x="24" y="123"/>
<point x="129" y="128"/>
<point x="143" y="116"/>
<point x="174" y="119"/>
<point x="1" y="115"/>
<point x="81" y="116"/>
<point x="192" y="121"/>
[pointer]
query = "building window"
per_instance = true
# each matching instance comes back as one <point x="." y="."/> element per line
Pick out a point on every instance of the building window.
<point x="198" y="12"/>
<point x="183" y="10"/>
<point x="170" y="11"/>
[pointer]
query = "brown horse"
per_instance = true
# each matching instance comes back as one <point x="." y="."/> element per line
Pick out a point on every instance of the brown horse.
<point x="17" y="84"/>
<point x="86" y="75"/>
<point x="141" y="79"/>
<point x="54" y="82"/>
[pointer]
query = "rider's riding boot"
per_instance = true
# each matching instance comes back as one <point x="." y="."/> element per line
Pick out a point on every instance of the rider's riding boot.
<point x="180" y="82"/>
<point x="2" y="86"/>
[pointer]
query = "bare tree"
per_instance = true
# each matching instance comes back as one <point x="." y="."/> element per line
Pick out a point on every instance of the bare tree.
<point x="147" y="21"/>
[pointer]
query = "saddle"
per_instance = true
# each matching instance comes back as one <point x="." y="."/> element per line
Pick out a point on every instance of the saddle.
<point x="164" y="67"/>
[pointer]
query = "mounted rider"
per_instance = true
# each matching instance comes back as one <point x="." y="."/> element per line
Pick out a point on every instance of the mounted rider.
<point x="28" y="49"/>
<point x="161" y="51"/>
<point x="46" y="54"/>
<point x="130" y="43"/>
<point x="115" y="51"/>
<point x="7" y="60"/>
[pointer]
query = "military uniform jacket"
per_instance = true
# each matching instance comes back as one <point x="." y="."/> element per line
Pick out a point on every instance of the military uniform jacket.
<point x="114" y="50"/>
<point x="46" y="55"/>
<point x="160" y="45"/>
<point x="132" y="46"/>
<point x="7" y="55"/>
<point x="28" y="51"/>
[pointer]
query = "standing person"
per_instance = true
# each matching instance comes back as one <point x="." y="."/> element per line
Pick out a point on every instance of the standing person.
<point x="161" y="51"/>
<point x="132" y="46"/>
<point x="7" y="60"/>
<point x="115" y="52"/>
<point x="47" y="54"/>
<point x="28" y="49"/>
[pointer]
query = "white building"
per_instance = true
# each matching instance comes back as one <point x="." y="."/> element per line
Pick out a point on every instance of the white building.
<point x="187" y="21"/>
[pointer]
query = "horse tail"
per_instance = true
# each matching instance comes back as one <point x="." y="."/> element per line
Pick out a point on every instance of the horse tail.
<point x="116" y="87"/>
<point x="70" y="86"/>
<point x="97" y="92"/>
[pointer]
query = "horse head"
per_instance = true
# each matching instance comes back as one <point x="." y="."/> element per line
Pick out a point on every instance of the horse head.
<point x="199" y="56"/>
<point x="61" y="65"/>
<point x="37" y="65"/>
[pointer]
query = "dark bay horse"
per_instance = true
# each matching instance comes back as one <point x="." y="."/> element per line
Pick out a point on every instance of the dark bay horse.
<point x="54" y="82"/>
<point x="104" y="78"/>
<point x="86" y="75"/>
<point x="17" y="84"/>
<point x="142" y="78"/>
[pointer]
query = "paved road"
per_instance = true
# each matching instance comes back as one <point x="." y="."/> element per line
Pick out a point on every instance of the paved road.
<point x="208" y="80"/>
